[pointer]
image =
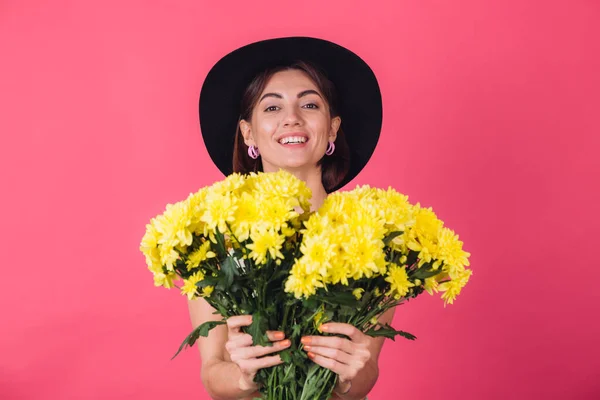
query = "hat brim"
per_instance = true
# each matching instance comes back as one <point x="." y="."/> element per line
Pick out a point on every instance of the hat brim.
<point x="359" y="96"/>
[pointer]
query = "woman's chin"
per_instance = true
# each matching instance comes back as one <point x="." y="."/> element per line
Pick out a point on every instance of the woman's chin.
<point x="293" y="164"/>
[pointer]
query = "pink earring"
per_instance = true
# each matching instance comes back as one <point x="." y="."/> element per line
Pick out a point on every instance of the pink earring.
<point x="253" y="152"/>
<point x="330" y="148"/>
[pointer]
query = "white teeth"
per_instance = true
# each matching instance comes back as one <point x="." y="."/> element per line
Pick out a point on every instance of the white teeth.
<point x="293" y="139"/>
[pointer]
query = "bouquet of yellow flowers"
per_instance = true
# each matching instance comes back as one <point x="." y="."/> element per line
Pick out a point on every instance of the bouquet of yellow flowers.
<point x="250" y="245"/>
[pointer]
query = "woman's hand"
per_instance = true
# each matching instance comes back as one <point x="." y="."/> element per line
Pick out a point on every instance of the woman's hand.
<point x="345" y="357"/>
<point x="245" y="356"/>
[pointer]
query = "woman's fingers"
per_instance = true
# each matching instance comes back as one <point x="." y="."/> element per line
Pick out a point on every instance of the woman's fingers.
<point x="235" y="323"/>
<point x="343" y="329"/>
<point x="275" y="335"/>
<point x="334" y="342"/>
<point x="250" y="366"/>
<point x="329" y="363"/>
<point x="345" y="357"/>
<point x="329" y="352"/>
<point x="242" y="340"/>
<point x="259" y="351"/>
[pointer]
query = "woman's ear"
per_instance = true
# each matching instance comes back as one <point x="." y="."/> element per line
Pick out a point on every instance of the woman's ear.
<point x="246" y="131"/>
<point x="334" y="127"/>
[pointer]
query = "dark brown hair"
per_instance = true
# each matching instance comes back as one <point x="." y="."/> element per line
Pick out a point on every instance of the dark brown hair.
<point x="333" y="168"/>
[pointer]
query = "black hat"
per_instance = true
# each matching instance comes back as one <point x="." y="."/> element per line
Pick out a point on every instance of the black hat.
<point x="359" y="98"/>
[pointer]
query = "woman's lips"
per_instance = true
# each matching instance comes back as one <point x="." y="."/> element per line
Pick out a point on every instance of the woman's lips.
<point x="294" y="144"/>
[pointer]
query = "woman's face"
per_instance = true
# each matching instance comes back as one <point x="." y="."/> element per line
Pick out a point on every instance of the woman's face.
<point x="291" y="124"/>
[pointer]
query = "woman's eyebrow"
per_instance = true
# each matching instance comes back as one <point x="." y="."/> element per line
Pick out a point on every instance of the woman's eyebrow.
<point x="307" y="92"/>
<point x="276" y="95"/>
<point x="279" y="96"/>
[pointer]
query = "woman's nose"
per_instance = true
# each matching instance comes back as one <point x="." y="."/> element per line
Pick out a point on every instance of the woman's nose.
<point x="292" y="119"/>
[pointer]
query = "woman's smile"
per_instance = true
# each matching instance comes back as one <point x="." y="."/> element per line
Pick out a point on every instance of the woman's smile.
<point x="293" y="140"/>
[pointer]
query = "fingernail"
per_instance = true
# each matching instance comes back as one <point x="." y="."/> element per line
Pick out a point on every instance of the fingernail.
<point x="285" y="343"/>
<point x="307" y="347"/>
<point x="324" y="328"/>
<point x="311" y="355"/>
<point x="279" y="335"/>
<point x="305" y="340"/>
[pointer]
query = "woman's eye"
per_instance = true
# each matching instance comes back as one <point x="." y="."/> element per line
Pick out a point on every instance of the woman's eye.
<point x="311" y="105"/>
<point x="271" y="108"/>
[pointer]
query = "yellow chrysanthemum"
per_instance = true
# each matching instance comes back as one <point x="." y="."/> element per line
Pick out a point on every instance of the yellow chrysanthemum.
<point x="338" y="238"/>
<point x="399" y="282"/>
<point x="189" y="285"/>
<point x="165" y="280"/>
<point x="338" y="272"/>
<point x="301" y="283"/>
<point x="453" y="288"/>
<point x="265" y="241"/>
<point x="281" y="186"/>
<point x="316" y="225"/>
<point x="317" y="254"/>
<point x="366" y="223"/>
<point x="358" y="293"/>
<point x="450" y="251"/>
<point x="319" y="319"/>
<point x="168" y="255"/>
<point x="220" y="210"/>
<point x="397" y="211"/>
<point x="154" y="264"/>
<point x="229" y="185"/>
<point x="246" y="215"/>
<point x="275" y="212"/>
<point x="202" y="253"/>
<point x="287" y="231"/>
<point x="149" y="247"/>
<point x="207" y="291"/>
<point x="196" y="206"/>
<point x="335" y="208"/>
<point x="150" y="239"/>
<point x="423" y="236"/>
<point x="431" y="285"/>
<point x="173" y="225"/>
<point x="365" y="256"/>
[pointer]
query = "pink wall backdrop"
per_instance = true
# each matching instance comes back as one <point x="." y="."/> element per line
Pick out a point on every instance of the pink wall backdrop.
<point x="491" y="116"/>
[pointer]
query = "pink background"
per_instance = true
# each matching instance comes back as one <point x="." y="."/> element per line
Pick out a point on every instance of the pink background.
<point x="491" y="116"/>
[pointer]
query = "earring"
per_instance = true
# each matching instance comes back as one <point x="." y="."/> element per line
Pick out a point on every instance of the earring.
<point x="330" y="148"/>
<point x="253" y="152"/>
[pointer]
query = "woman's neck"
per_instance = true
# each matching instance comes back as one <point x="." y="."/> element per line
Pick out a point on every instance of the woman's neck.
<point x="314" y="182"/>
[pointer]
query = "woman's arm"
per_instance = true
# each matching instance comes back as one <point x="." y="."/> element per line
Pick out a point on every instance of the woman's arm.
<point x="355" y="360"/>
<point x="229" y="361"/>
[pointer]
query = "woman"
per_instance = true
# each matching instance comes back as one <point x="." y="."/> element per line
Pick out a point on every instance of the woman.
<point x="289" y="118"/>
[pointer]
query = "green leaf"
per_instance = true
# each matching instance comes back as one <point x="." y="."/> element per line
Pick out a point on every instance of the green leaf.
<point x="201" y="330"/>
<point x="424" y="272"/>
<point x="319" y="383"/>
<point x="258" y="330"/>
<point x="220" y="242"/>
<point x="311" y="303"/>
<point x="229" y="269"/>
<point x="296" y="330"/>
<point x="208" y="281"/>
<point x="289" y="373"/>
<point x="286" y="357"/>
<point x="340" y="298"/>
<point x="389" y="332"/>
<point x="391" y="237"/>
